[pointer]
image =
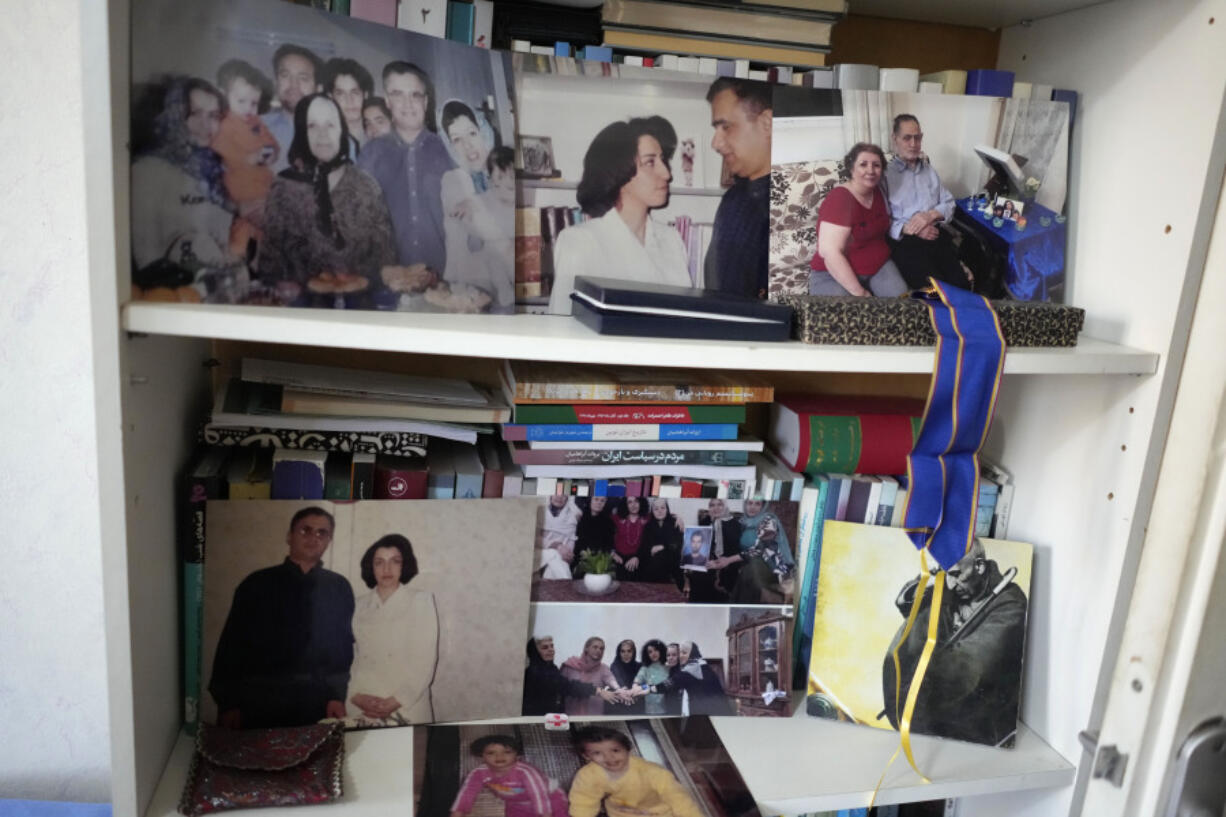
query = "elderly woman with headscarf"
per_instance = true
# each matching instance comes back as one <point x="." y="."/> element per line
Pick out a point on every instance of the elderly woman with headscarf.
<point x="545" y="687"/>
<point x="765" y="554"/>
<point x="625" y="667"/>
<point x="701" y="684"/>
<point x="587" y="667"/>
<point x="181" y="215"/>
<point x="327" y="233"/>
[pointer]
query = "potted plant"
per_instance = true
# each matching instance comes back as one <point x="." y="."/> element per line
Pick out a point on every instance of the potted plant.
<point x="597" y="567"/>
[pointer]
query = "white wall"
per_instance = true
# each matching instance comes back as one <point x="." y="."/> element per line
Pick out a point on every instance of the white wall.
<point x="1151" y="77"/>
<point x="52" y="648"/>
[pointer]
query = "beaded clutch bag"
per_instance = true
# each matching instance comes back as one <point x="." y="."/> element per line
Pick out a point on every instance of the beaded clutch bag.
<point x="247" y="768"/>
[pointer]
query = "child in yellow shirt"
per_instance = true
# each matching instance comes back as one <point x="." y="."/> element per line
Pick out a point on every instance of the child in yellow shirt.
<point x="627" y="785"/>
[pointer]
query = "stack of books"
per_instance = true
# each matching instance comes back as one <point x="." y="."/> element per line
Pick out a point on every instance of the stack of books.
<point x="784" y="33"/>
<point x="597" y="431"/>
<point x="321" y="432"/>
<point x="853" y="452"/>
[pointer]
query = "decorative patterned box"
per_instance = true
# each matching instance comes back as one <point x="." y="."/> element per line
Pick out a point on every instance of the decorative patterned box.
<point x="850" y="321"/>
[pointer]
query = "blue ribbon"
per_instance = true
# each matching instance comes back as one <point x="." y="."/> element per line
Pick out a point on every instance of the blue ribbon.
<point x="943" y="467"/>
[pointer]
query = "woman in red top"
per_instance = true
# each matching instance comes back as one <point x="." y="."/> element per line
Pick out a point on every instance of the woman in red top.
<point x="631" y="517"/>
<point x="853" y="257"/>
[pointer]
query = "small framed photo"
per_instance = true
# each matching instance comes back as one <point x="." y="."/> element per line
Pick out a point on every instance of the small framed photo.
<point x="1007" y="208"/>
<point x="536" y="157"/>
<point x="696" y="548"/>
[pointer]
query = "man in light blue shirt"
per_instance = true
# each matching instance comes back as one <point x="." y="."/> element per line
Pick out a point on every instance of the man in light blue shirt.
<point x="296" y="72"/>
<point x="918" y="204"/>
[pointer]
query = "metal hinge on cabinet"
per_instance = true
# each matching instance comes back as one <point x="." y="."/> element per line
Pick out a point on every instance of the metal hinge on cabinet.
<point x="1109" y="764"/>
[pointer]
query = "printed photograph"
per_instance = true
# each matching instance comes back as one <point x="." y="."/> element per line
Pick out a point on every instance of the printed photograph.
<point x="1008" y="209"/>
<point x="286" y="156"/>
<point x="364" y="611"/>
<point x="697" y="548"/>
<point x="867" y="585"/>
<point x="536" y="157"/>
<point x="875" y="192"/>
<point x="669" y="767"/>
<point x="634" y="550"/>
<point x="638" y="194"/>
<point x="634" y="660"/>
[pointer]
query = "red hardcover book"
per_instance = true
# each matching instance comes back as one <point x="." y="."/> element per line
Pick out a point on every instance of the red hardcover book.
<point x="691" y="488"/>
<point x="400" y="478"/>
<point x="850" y="435"/>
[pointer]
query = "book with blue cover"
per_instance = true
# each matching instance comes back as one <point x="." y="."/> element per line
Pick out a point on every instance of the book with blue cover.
<point x="627" y="432"/>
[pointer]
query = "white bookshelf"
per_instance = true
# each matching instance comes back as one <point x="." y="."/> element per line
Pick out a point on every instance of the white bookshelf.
<point x="1081" y="429"/>
<point x="560" y="338"/>
<point x="793" y="766"/>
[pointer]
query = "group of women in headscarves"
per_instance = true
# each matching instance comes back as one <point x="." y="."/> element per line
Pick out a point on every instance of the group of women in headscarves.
<point x="750" y="555"/>
<point x="661" y="679"/>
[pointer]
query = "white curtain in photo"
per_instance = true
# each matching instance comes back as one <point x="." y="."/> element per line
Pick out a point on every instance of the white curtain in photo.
<point x="1037" y="130"/>
<point x="866" y="118"/>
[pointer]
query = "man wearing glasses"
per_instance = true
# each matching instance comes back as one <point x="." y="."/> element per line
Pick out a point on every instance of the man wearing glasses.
<point x="918" y="204"/>
<point x="409" y="164"/>
<point x="283" y="657"/>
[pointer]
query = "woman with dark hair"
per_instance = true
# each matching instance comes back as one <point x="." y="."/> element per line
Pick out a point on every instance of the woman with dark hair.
<point x="376" y="117"/>
<point x="631" y="518"/>
<point x="327" y="233"/>
<point x="853" y="220"/>
<point x="181" y="214"/>
<point x="545" y="687"/>
<point x="653" y="670"/>
<point x="702" y="686"/>
<point x="661" y="544"/>
<point x="595" y="530"/>
<point x="625" y="176"/>
<point x="395" y="633"/>
<point x="469" y="224"/>
<point x="625" y="667"/>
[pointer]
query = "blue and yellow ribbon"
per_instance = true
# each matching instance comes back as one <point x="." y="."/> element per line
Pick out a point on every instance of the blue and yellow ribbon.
<point x="943" y="467"/>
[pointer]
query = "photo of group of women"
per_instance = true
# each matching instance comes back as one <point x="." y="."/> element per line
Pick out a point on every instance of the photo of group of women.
<point x="874" y="193"/>
<point x="655" y="660"/>
<point x="369" y="612"/>
<point x="666" y="768"/>
<point x="663" y="175"/>
<point x="700" y="551"/>
<point x="287" y="156"/>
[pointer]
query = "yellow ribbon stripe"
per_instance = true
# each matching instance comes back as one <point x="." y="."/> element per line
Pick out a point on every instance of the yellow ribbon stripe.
<point x="904" y="721"/>
<point x="934" y="620"/>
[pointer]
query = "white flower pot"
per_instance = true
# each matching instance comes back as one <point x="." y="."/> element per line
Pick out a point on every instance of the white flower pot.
<point x="597" y="582"/>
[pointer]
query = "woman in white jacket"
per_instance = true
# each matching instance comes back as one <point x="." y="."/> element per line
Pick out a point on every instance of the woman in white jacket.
<point x="395" y="633"/>
<point x="626" y="175"/>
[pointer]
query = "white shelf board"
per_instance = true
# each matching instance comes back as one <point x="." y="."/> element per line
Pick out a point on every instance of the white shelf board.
<point x="801" y="765"/>
<point x="559" y="338"/>
<point x="791" y="765"/>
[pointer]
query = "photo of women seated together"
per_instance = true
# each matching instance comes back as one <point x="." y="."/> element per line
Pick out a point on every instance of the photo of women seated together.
<point x="614" y="767"/>
<point x="327" y="624"/>
<point x="701" y="551"/>
<point x="290" y="175"/>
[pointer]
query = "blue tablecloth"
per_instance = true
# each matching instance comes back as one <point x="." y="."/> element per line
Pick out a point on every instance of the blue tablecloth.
<point x="1034" y="255"/>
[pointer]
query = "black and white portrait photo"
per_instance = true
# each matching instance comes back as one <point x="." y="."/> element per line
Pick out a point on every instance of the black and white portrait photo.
<point x="971" y="689"/>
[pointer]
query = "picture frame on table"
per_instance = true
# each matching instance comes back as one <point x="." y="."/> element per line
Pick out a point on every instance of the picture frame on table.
<point x="536" y="157"/>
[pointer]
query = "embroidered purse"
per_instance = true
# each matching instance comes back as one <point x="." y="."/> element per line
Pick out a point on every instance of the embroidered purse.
<point x="248" y="768"/>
